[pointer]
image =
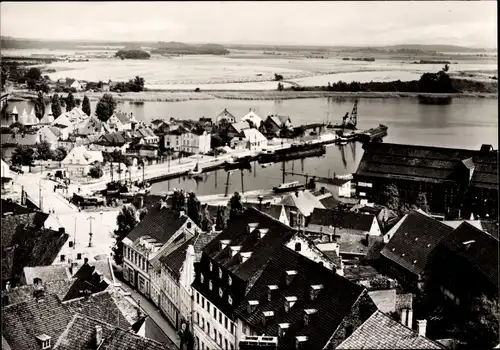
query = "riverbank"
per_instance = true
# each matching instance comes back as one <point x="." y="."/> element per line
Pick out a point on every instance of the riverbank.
<point x="179" y="96"/>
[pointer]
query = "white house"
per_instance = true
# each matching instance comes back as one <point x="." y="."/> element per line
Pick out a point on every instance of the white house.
<point x="253" y="118"/>
<point x="76" y="85"/>
<point x="6" y="176"/>
<point x="123" y="121"/>
<point x="256" y="141"/>
<point x="225" y="117"/>
<point x="79" y="161"/>
<point x="182" y="139"/>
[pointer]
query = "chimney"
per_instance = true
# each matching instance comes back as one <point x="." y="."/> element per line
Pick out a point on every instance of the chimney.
<point x="309" y="315"/>
<point x="98" y="335"/>
<point x="266" y="317"/>
<point x="409" y="318"/>
<point x="245" y="256"/>
<point x="182" y="213"/>
<point x="235" y="249"/>
<point x="282" y="328"/>
<point x="262" y="232"/>
<point x="404" y="316"/>
<point x="289" y="275"/>
<point x="271" y="292"/>
<point x="224" y="243"/>
<point x="315" y="289"/>
<point x="422" y="326"/>
<point x="62" y="230"/>
<point x="71" y="268"/>
<point x="252" y="305"/>
<point x="85" y="261"/>
<point x="289" y="302"/>
<point x="252" y="226"/>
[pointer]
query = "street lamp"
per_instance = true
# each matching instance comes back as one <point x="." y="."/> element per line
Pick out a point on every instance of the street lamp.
<point x="90" y="218"/>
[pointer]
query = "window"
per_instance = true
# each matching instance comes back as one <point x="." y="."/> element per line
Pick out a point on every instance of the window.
<point x="197" y="318"/>
<point x="215" y="313"/>
<point x="202" y="278"/>
<point x="232" y="330"/>
<point x="298" y="247"/>
<point x="63" y="257"/>
<point x="229" y="280"/>
<point x="226" y="325"/>
<point x="348" y="331"/>
<point x="45" y="344"/>
<point x="221" y="293"/>
<point x="211" y="266"/>
<point x="208" y="306"/>
<point x="232" y="347"/>
<point x="208" y="328"/>
<point x="230" y="300"/>
<point x="202" y="302"/>
<point x="210" y="285"/>
<point x="188" y="225"/>
<point x="220" y="273"/>
<point x="220" y="317"/>
<point x="202" y="323"/>
<point x="197" y="298"/>
<point x="220" y="339"/>
<point x="215" y="335"/>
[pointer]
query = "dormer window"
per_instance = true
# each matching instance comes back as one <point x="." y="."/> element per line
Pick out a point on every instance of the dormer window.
<point x="202" y="278"/>
<point x="252" y="305"/>
<point x="271" y="290"/>
<point x="308" y="315"/>
<point x="282" y="328"/>
<point x="229" y="280"/>
<point x="230" y="300"/>
<point x="300" y="342"/>
<point x="211" y="266"/>
<point x="290" y="274"/>
<point x="245" y="256"/>
<point x="289" y="302"/>
<point x="220" y="273"/>
<point x="314" y="291"/>
<point x="210" y="285"/>
<point x="44" y="341"/>
<point x="221" y="293"/>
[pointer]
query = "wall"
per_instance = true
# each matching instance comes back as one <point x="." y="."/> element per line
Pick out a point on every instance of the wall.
<point x="171" y="292"/>
<point x="310" y="251"/>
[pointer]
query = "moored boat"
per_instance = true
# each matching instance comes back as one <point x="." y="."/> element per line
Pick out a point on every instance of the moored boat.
<point x="288" y="187"/>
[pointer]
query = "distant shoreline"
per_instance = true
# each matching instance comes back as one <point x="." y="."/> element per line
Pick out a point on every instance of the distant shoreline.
<point x="180" y="96"/>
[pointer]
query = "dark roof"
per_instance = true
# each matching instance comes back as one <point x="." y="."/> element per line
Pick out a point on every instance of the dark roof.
<point x="383" y="332"/>
<point x="491" y="227"/>
<point x="430" y="164"/>
<point x="86" y="278"/>
<point x="123" y="117"/>
<point x="80" y="335"/>
<point x="333" y="303"/>
<point x="31" y="246"/>
<point x="330" y="202"/>
<point x="25" y="293"/>
<point x="482" y="254"/>
<point x="23" y="322"/>
<point x="416" y="239"/>
<point x="159" y="223"/>
<point x="262" y="249"/>
<point x="345" y="219"/>
<point x="153" y="331"/>
<point x="273" y="210"/>
<point x="8" y="206"/>
<point x="173" y="261"/>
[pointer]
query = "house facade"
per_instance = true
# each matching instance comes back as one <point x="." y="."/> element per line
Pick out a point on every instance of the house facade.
<point x="182" y="139"/>
<point x="255" y="140"/>
<point x="225" y="118"/>
<point x="79" y="161"/>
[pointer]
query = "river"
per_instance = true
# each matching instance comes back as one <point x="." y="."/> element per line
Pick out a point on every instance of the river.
<point x="465" y="123"/>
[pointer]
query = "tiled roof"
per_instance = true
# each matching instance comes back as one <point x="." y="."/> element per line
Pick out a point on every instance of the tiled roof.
<point x="225" y="114"/>
<point x="430" y="164"/>
<point x="23" y="322"/>
<point x="382" y="332"/>
<point x="482" y="254"/>
<point x="87" y="278"/>
<point x="153" y="331"/>
<point x="100" y="306"/>
<point x="491" y="227"/>
<point x="123" y="117"/>
<point x="159" y="223"/>
<point x="175" y="259"/>
<point x="240" y="126"/>
<point x="333" y="303"/>
<point x="305" y="202"/>
<point x="25" y="293"/>
<point x="330" y="202"/>
<point x="201" y="241"/>
<point x="254" y="135"/>
<point x="273" y="210"/>
<point x="346" y="219"/>
<point x="46" y="273"/>
<point x="414" y="241"/>
<point x="262" y="249"/>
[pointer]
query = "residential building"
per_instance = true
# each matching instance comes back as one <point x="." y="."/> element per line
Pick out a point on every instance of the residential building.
<point x="255" y="140"/>
<point x="450" y="178"/>
<point x="465" y="266"/>
<point x="274" y="123"/>
<point x="333" y="222"/>
<point x="146" y="134"/>
<point x="185" y="140"/>
<point x="76" y="85"/>
<point x="160" y="232"/>
<point x="6" y="176"/>
<point x="235" y="129"/>
<point x="143" y="150"/>
<point x="253" y="118"/>
<point x="380" y="331"/>
<point x="48" y="273"/>
<point x="302" y="304"/>
<point x="338" y="187"/>
<point x="304" y="202"/>
<point x="110" y="142"/>
<point x="410" y="248"/>
<point x="90" y="126"/>
<point x="79" y="161"/>
<point x="225" y="118"/>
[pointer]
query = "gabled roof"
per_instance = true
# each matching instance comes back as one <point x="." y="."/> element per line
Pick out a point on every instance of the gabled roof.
<point x="278" y="119"/>
<point x="82" y="156"/>
<point x="225" y="114"/>
<point x="174" y="261"/>
<point x="254" y="135"/>
<point x="262" y="249"/>
<point x="344" y="219"/>
<point x="332" y="304"/>
<point x="240" y="126"/>
<point x="8" y="206"/>
<point x="25" y="293"/>
<point x="160" y="223"/>
<point x="273" y="210"/>
<point x="414" y="241"/>
<point x="429" y="164"/>
<point x="382" y="332"/>
<point x="253" y="117"/>
<point x="304" y="201"/>
<point x="481" y="252"/>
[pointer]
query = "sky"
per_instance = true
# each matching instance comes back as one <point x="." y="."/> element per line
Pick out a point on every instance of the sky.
<point x="333" y="23"/>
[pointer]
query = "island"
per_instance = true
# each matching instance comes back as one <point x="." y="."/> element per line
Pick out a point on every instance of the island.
<point x="133" y="54"/>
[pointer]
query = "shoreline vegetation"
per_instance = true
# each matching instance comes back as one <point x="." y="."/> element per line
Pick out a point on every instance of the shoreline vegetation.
<point x="180" y="96"/>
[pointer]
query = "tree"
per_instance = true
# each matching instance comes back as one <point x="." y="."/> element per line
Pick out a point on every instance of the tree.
<point x="220" y="220"/>
<point x="17" y="128"/>
<point x="280" y="87"/>
<point x="206" y="219"/>
<point x="389" y="197"/>
<point x="86" y="105"/>
<point x="194" y="208"/>
<point x="78" y="102"/>
<point x="482" y="326"/>
<point x="179" y="200"/>
<point x="446" y="68"/>
<point x="70" y="102"/>
<point x="23" y="155"/>
<point x="137" y="84"/>
<point x="60" y="153"/>
<point x="56" y="106"/>
<point x="43" y="151"/>
<point x="105" y="107"/>
<point x="278" y="77"/>
<point x="236" y="206"/>
<point x="40" y="106"/>
<point x="126" y="221"/>
<point x="96" y="172"/>
<point x="34" y="74"/>
<point x="421" y="202"/>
